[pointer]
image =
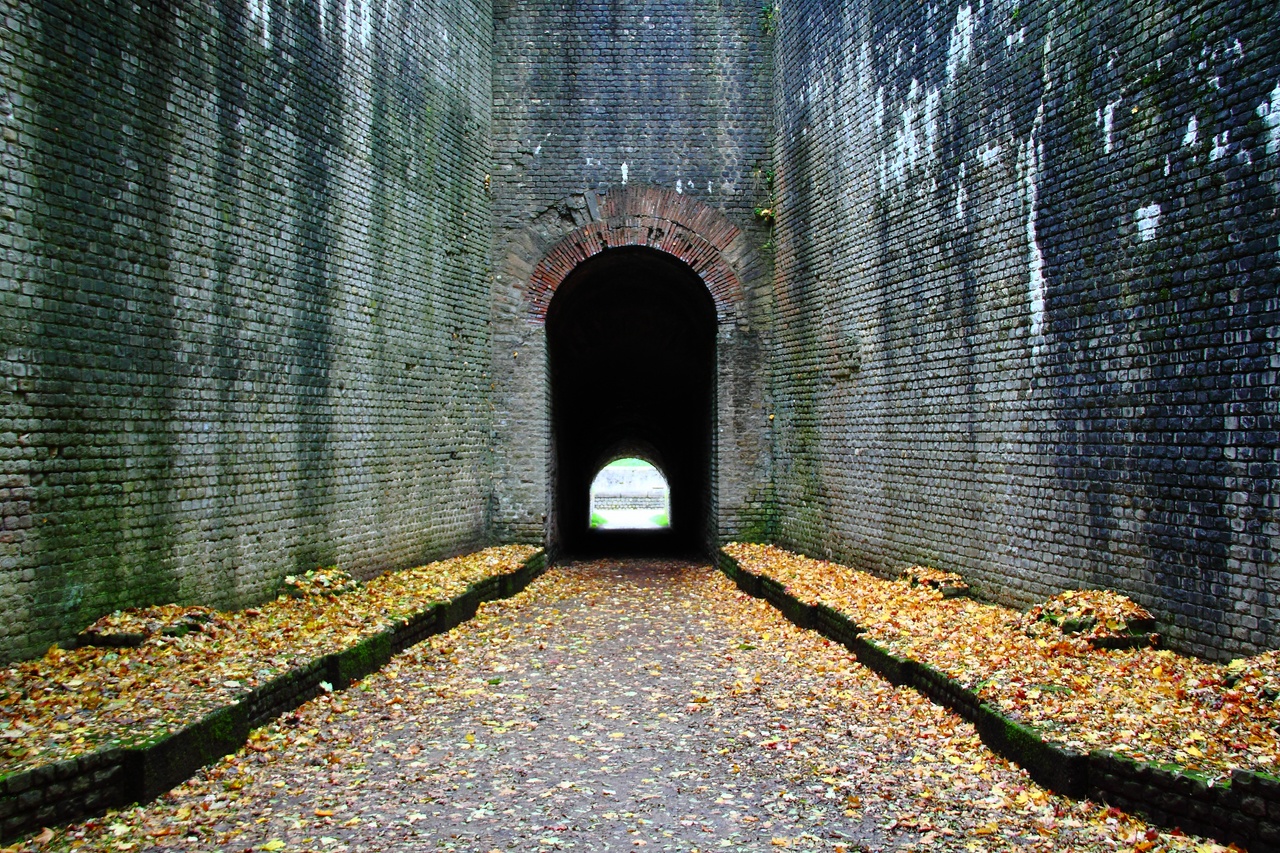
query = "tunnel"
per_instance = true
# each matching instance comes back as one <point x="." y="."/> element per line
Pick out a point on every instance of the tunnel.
<point x="631" y="353"/>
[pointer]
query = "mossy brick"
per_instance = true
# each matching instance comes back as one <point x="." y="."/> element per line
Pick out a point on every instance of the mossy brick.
<point x="16" y="783"/>
<point x="1267" y="833"/>
<point x="488" y="589"/>
<point x="165" y="762"/>
<point x="1061" y="770"/>
<point x="881" y="661"/>
<point x="743" y="579"/>
<point x="1260" y="784"/>
<point x="835" y="625"/>
<point x="366" y="656"/>
<point x="797" y="611"/>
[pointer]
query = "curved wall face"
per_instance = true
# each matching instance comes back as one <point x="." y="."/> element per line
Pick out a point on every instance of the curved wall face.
<point x="1027" y="299"/>
<point x="592" y="97"/>
<point x="244" y="298"/>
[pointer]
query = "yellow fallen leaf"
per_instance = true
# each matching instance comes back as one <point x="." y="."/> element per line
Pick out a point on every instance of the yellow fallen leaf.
<point x="273" y="844"/>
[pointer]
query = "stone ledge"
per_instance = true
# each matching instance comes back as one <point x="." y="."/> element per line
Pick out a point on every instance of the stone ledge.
<point x="1244" y="809"/>
<point x="86" y="786"/>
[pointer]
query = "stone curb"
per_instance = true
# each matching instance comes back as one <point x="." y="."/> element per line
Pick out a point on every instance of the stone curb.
<point x="88" y="785"/>
<point x="1244" y="809"/>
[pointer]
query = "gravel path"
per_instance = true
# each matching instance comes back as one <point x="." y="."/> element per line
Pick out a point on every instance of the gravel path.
<point x="618" y="706"/>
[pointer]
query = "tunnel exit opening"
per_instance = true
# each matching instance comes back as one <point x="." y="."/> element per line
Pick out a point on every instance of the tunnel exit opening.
<point x="631" y="353"/>
<point x="630" y="494"/>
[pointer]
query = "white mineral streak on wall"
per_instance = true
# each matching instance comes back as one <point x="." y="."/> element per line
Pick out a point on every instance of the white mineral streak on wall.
<point x="1148" y="218"/>
<point x="989" y="154"/>
<point x="347" y="14"/>
<point x="366" y="22"/>
<point x="624" y="174"/>
<point x="260" y="15"/>
<point x="1032" y="155"/>
<point x="1269" y="112"/>
<point x="1193" y="132"/>
<point x="918" y="116"/>
<point x="1035" y="286"/>
<point x="932" y="102"/>
<point x="1220" y="143"/>
<point x="961" y="47"/>
<point x="961" y="196"/>
<point x="1108" y="115"/>
<point x="324" y="16"/>
<point x="679" y="186"/>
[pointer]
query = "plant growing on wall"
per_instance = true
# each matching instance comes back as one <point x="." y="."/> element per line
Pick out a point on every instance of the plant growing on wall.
<point x="766" y="211"/>
<point x="769" y="17"/>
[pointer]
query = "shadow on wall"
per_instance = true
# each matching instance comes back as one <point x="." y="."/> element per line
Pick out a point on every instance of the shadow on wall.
<point x="631" y="346"/>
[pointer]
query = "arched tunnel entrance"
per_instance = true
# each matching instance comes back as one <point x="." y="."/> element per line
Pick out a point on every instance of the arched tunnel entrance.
<point x="631" y="348"/>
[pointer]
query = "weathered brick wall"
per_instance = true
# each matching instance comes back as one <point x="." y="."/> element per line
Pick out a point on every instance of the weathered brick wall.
<point x="590" y="97"/>
<point x="243" y="297"/>
<point x="1027" y="299"/>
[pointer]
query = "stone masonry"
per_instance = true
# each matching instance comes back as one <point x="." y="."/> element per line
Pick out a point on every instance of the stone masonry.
<point x="274" y="280"/>
<point x="1027" y="299"/>
<point x="243" y="301"/>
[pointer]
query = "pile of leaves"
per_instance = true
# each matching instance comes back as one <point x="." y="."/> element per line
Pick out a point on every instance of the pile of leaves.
<point x="136" y="625"/>
<point x="1260" y="673"/>
<point x="948" y="583"/>
<point x="1101" y="617"/>
<point x="71" y="702"/>
<point x="1149" y="704"/>
<point x="326" y="581"/>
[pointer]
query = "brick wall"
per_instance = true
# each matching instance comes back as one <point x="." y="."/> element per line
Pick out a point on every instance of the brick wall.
<point x="243" y="297"/>
<point x="272" y="275"/>
<point x="1027" y="299"/>
<point x="593" y="99"/>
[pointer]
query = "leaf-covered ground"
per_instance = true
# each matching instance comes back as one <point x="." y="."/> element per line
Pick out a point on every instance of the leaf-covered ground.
<point x="619" y="706"/>
<point x="74" y="701"/>
<point x="1146" y="703"/>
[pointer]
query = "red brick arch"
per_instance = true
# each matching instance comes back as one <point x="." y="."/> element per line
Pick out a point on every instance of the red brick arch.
<point x="660" y="219"/>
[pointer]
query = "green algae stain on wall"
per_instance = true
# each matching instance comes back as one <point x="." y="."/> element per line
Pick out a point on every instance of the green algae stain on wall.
<point x="103" y="319"/>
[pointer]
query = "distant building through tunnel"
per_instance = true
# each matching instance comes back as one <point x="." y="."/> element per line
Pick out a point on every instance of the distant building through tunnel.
<point x="630" y="494"/>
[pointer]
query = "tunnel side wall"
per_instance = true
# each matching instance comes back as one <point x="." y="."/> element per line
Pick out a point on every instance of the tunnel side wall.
<point x="244" y="298"/>
<point x="1027" y="299"/>
<point x="591" y="97"/>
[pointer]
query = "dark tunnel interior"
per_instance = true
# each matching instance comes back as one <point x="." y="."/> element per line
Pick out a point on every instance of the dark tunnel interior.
<point x="631" y="348"/>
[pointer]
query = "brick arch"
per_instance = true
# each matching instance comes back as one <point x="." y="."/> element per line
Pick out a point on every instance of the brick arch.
<point x="655" y="218"/>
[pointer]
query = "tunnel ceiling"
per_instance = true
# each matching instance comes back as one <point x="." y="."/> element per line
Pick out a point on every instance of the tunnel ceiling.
<point x="631" y="342"/>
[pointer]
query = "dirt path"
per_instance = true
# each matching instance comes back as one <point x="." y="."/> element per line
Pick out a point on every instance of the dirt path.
<point x="618" y="706"/>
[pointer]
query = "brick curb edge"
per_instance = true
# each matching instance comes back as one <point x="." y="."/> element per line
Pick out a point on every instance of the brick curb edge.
<point x="1244" y="809"/>
<point x="88" y="785"/>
